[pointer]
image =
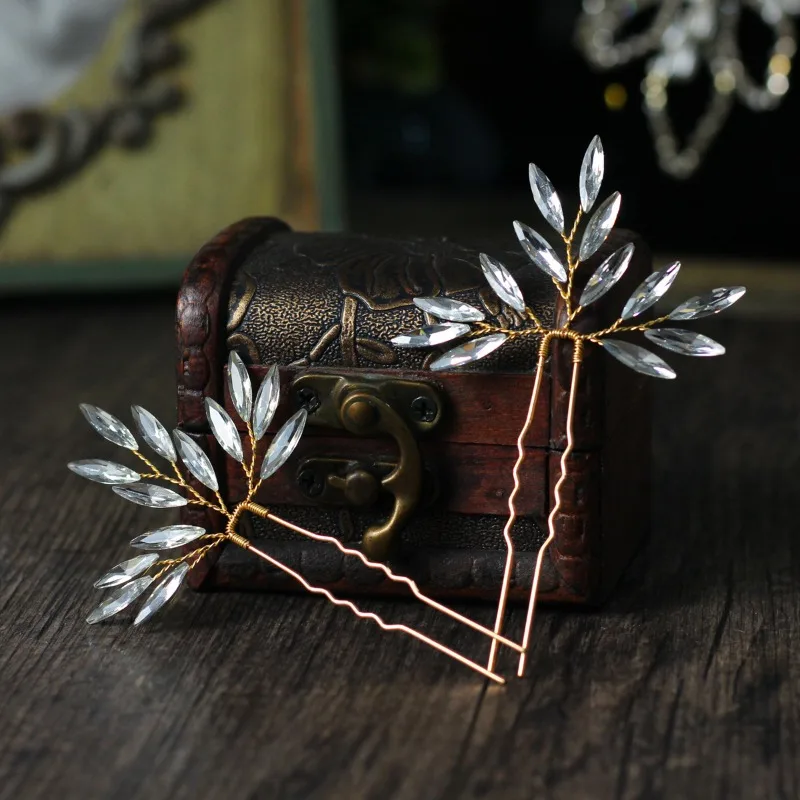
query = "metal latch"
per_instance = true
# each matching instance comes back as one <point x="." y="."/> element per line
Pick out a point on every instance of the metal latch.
<point x="369" y="405"/>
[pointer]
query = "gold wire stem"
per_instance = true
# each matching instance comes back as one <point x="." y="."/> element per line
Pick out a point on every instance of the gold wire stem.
<point x="265" y="513"/>
<point x="531" y="315"/>
<point x="223" y="507"/>
<point x="195" y="554"/>
<point x="242" y="542"/>
<point x="571" y="236"/>
<point x="577" y="357"/>
<point x="209" y="505"/>
<point x="618" y="327"/>
<point x="162" y="477"/>
<point x="482" y="328"/>
<point x="512" y="508"/>
<point x="564" y="291"/>
<point x="249" y="471"/>
<point x="159" y="475"/>
<point x="571" y="265"/>
<point x="198" y="498"/>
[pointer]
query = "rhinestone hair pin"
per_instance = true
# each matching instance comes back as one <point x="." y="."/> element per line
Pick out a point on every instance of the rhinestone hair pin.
<point x="160" y="577"/>
<point x="190" y="478"/>
<point x="457" y="320"/>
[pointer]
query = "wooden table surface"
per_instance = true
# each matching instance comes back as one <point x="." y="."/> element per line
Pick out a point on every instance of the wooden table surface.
<point x="686" y="685"/>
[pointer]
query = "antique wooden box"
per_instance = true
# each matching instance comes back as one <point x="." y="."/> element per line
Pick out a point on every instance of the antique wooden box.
<point x="432" y="480"/>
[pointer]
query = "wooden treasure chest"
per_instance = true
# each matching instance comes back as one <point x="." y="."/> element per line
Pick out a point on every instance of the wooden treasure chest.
<point x="413" y="465"/>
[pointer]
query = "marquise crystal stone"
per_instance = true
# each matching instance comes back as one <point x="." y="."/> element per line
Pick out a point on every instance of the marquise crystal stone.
<point x="154" y="433"/>
<point x="162" y="593"/>
<point x="448" y="309"/>
<point x="126" y="571"/>
<point x="687" y="343"/>
<point x="591" y="178"/>
<point x="545" y="197"/>
<point x="638" y="358"/>
<point x="150" y="495"/>
<point x="606" y="275"/>
<point x="168" y="537"/>
<point x="431" y="335"/>
<point x="108" y="426"/>
<point x="707" y="304"/>
<point x="240" y="387"/>
<point x="119" y="600"/>
<point x="469" y="352"/>
<point x="503" y="285"/>
<point x="101" y="471"/>
<point x="197" y="462"/>
<point x="224" y="430"/>
<point x="650" y="291"/>
<point x="599" y="226"/>
<point x="284" y="443"/>
<point x="539" y="251"/>
<point x="266" y="401"/>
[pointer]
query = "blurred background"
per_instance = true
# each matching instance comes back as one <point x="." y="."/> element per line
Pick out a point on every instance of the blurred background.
<point x="450" y="98"/>
<point x="130" y="132"/>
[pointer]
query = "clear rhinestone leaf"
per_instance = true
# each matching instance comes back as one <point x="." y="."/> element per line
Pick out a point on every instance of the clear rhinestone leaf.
<point x="240" y="387"/>
<point x="606" y="275"/>
<point x="168" y="537"/>
<point x="108" y="426"/>
<point x="545" y="197"/>
<point x="126" y="571"/>
<point x="540" y="252"/>
<point x="162" y="593"/>
<point x="650" y="291"/>
<point x="503" y="285"/>
<point x="150" y="495"/>
<point x="638" y="358"/>
<point x="591" y="178"/>
<point x="197" y="462"/>
<point x="687" y="343"/>
<point x="269" y="393"/>
<point x="431" y="335"/>
<point x="100" y="471"/>
<point x="707" y="304"/>
<point x="224" y="430"/>
<point x="469" y="352"/>
<point x="599" y="226"/>
<point x="449" y="309"/>
<point x="119" y="600"/>
<point x="284" y="443"/>
<point x="154" y="433"/>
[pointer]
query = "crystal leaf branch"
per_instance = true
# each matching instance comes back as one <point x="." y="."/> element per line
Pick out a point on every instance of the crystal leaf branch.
<point x="156" y="578"/>
<point x="457" y="319"/>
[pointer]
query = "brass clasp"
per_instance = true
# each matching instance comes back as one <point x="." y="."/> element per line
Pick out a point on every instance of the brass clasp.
<point x="369" y="405"/>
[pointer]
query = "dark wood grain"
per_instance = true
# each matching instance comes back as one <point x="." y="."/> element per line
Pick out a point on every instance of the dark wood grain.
<point x="685" y="685"/>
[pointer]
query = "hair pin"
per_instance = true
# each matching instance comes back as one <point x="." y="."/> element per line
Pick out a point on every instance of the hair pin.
<point x="162" y="577"/>
<point x="457" y="320"/>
